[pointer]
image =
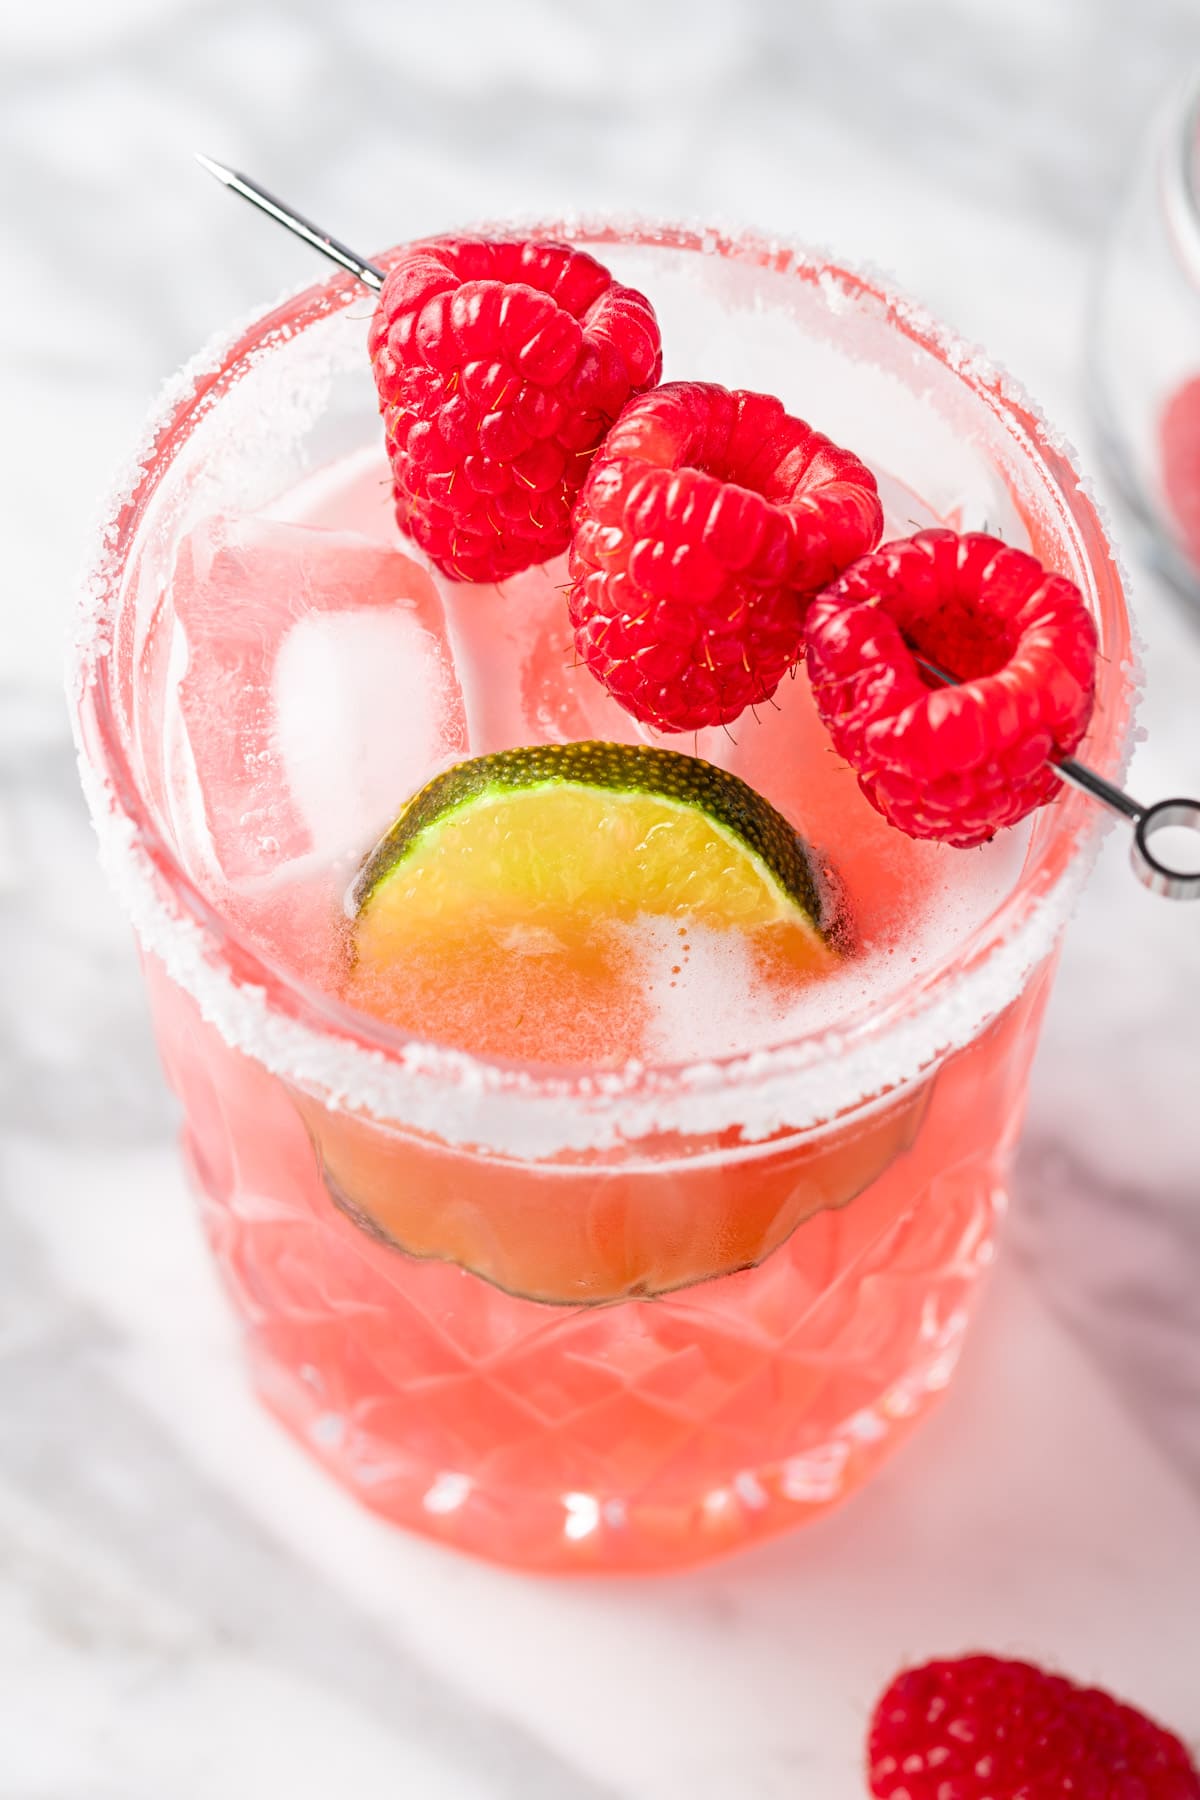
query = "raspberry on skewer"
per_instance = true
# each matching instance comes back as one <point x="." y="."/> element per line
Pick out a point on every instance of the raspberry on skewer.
<point x="709" y="519"/>
<point x="958" y="762"/>
<point x="957" y="752"/>
<point x="500" y="365"/>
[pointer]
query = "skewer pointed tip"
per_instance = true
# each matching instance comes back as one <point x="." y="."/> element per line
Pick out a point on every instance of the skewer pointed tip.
<point x="369" y="273"/>
<point x="214" y="168"/>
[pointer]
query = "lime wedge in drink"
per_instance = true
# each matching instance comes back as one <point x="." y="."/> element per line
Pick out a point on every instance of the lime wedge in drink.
<point x="515" y="884"/>
<point x="571" y="835"/>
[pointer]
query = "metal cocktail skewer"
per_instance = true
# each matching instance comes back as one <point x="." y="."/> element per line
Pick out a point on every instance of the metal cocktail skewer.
<point x="369" y="273"/>
<point x="1147" y="821"/>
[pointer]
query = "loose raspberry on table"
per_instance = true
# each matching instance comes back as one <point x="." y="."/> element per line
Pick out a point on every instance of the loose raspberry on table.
<point x="953" y="762"/>
<point x="709" y="518"/>
<point x="979" y="1728"/>
<point x="500" y="365"/>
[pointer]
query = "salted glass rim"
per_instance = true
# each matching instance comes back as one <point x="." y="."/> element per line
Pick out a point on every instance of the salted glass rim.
<point x="312" y="1038"/>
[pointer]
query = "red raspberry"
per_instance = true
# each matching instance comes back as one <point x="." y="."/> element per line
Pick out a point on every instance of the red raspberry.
<point x="954" y="763"/>
<point x="707" y="521"/>
<point x="982" y="1729"/>
<point x="500" y="366"/>
<point x="1179" y="448"/>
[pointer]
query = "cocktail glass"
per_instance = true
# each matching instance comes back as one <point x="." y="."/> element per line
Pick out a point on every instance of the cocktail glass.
<point x="817" y="1213"/>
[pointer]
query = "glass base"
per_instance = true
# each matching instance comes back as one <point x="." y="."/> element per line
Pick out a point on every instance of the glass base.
<point x="624" y="1438"/>
<point x="579" y="1533"/>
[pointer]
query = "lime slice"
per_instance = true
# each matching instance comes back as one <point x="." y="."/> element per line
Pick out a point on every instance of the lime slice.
<point x="502" y="913"/>
<point x="564" y="835"/>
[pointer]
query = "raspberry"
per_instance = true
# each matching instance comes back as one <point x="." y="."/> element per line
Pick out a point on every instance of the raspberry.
<point x="955" y="763"/>
<point x="1179" y="449"/>
<point x="500" y="366"/>
<point x="708" y="520"/>
<point x="982" y="1729"/>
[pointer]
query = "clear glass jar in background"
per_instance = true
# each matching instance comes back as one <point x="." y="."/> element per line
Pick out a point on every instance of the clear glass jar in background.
<point x="1144" y="337"/>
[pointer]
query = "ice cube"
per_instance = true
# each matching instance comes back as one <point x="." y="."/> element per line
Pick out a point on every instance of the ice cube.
<point x="319" y="691"/>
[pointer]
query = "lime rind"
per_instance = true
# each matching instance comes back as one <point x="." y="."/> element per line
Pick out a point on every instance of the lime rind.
<point x="750" y="824"/>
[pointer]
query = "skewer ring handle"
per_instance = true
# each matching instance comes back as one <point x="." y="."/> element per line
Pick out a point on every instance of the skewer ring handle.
<point x="1162" y="877"/>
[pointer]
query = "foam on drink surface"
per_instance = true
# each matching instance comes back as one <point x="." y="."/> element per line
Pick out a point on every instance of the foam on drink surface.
<point x="709" y="995"/>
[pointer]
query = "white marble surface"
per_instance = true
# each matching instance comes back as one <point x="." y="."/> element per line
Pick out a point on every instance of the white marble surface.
<point x="188" y="1611"/>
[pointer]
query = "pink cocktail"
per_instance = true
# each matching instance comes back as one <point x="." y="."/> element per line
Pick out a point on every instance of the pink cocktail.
<point x="619" y="1288"/>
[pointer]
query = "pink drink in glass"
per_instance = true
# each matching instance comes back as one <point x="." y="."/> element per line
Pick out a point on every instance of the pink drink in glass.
<point x="619" y="1297"/>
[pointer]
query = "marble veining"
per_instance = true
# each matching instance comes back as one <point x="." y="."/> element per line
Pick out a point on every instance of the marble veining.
<point x="186" y="1607"/>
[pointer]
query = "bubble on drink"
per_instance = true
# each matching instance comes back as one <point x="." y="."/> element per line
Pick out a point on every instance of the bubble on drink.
<point x="711" y="993"/>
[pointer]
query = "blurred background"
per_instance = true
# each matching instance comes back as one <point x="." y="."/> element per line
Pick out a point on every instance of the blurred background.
<point x="168" y="1623"/>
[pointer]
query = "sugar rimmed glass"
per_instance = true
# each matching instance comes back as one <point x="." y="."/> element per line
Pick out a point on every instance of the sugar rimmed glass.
<point x="647" y="1432"/>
